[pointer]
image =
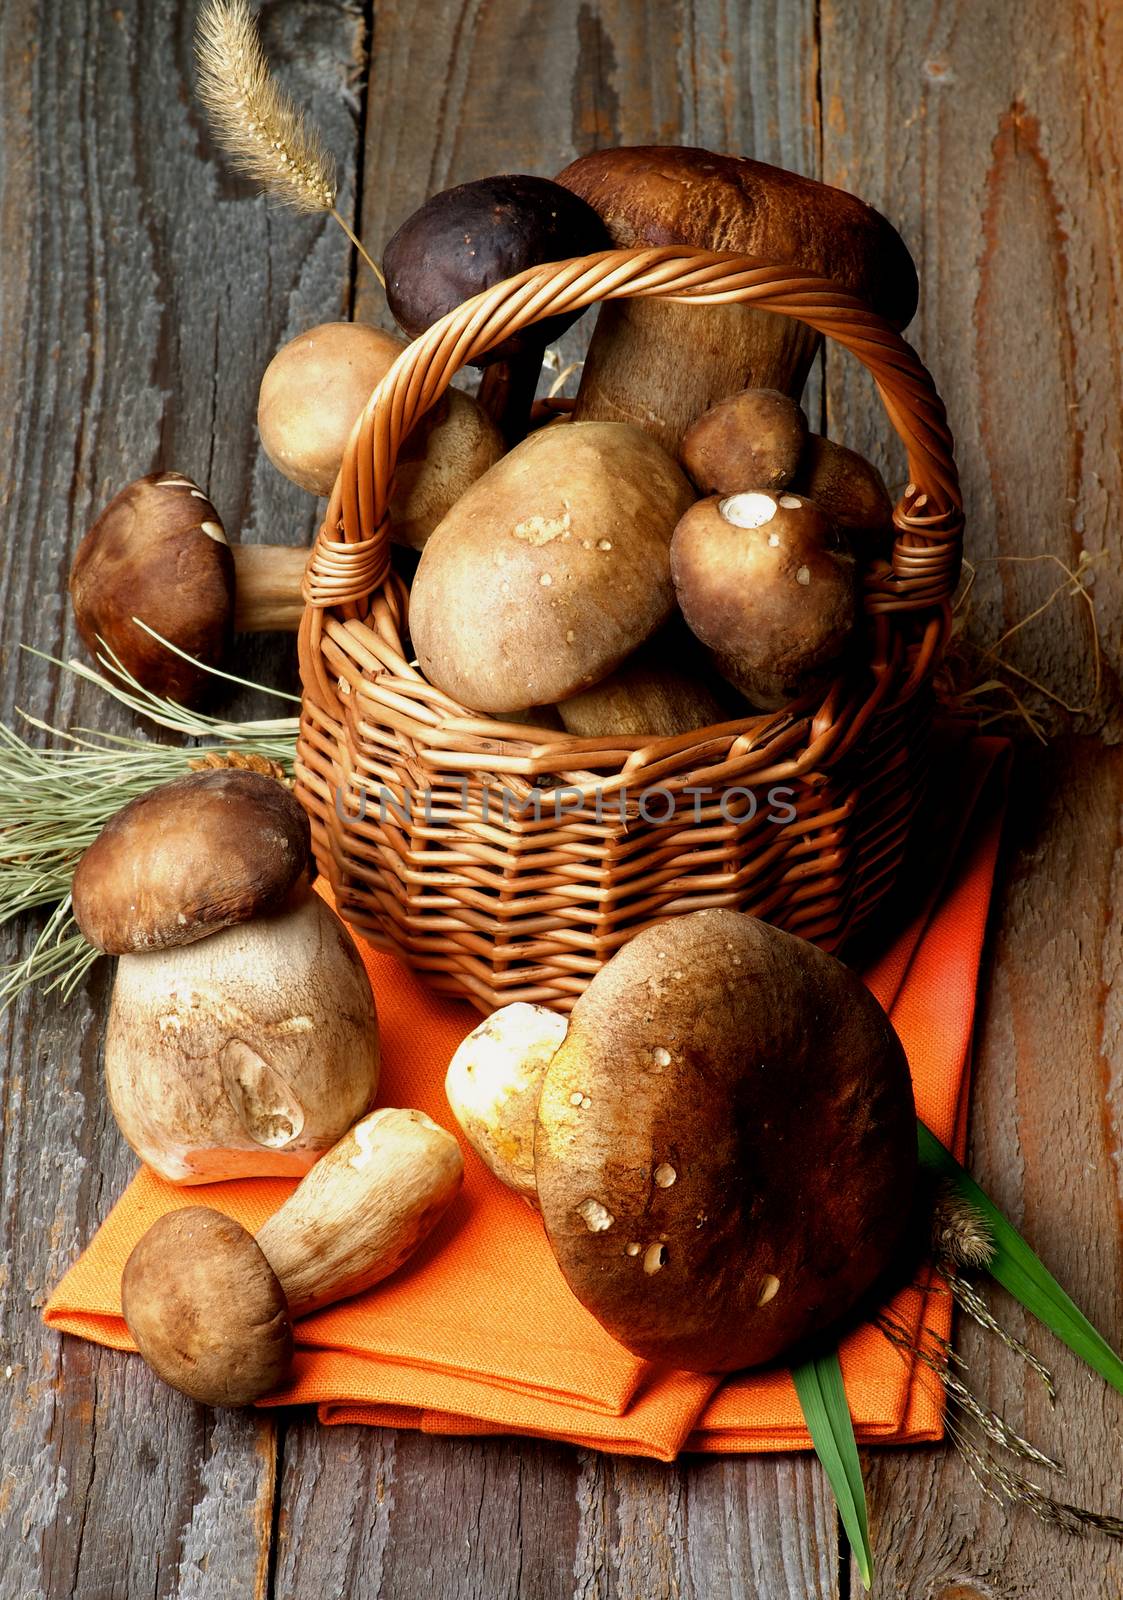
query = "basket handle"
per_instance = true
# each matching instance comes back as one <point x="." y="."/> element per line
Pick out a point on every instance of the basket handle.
<point x="351" y="555"/>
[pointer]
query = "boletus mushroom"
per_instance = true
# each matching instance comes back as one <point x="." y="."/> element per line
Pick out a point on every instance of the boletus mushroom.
<point x="314" y="390"/>
<point x="844" y="485"/>
<point x="211" y="1308"/>
<point x="159" y="552"/>
<point x="765" y="584"/>
<point x="751" y="440"/>
<point x="725" y="1141"/>
<point x="464" y="240"/>
<point x="242" y="1038"/>
<point x="661" y="364"/>
<point x="551" y="569"/>
<point x="664" y="689"/>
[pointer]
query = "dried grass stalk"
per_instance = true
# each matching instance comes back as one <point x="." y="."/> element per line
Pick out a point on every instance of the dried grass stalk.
<point x="261" y="128"/>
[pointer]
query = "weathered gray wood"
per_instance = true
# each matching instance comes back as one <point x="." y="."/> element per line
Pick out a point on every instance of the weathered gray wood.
<point x="988" y="133"/>
<point x="142" y="294"/>
<point x="1045" y="1142"/>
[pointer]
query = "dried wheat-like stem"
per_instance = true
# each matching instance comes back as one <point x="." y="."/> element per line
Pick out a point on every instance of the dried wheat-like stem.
<point x="260" y="127"/>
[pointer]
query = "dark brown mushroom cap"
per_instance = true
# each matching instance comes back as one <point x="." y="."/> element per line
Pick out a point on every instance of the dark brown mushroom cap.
<point x="465" y="239"/>
<point x="844" y="485"/>
<point x="764" y="582"/>
<point x="206" y="1310"/>
<point x="659" y="194"/>
<point x="158" y="552"/>
<point x="751" y="440"/>
<point x="190" y="857"/>
<point x="726" y="1143"/>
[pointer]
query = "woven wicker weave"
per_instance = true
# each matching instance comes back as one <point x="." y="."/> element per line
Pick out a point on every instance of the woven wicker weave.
<point x="501" y="859"/>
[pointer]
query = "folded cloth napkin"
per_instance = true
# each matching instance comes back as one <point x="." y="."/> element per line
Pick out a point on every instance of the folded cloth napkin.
<point x="478" y="1332"/>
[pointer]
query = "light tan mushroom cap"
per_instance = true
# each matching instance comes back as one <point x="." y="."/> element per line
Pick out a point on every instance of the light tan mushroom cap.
<point x="551" y="569"/>
<point x="206" y="1310"/>
<point x="726" y="1143"/>
<point x="311" y="395"/>
<point x="190" y="857"/>
<point x="493" y="1084"/>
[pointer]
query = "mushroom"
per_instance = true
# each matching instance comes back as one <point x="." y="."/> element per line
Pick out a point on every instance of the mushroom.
<point x="464" y="240"/>
<point x="493" y="1084"/>
<point x="242" y="1038"/>
<point x="725" y="1142"/>
<point x="314" y="389"/>
<point x="659" y="692"/>
<point x="660" y="363"/>
<point x="551" y="569"/>
<point x="211" y="1309"/>
<point x="158" y="552"/>
<point x="764" y="584"/>
<point x="751" y="440"/>
<point x="844" y="485"/>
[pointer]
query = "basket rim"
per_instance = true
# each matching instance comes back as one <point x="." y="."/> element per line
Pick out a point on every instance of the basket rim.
<point x="351" y="632"/>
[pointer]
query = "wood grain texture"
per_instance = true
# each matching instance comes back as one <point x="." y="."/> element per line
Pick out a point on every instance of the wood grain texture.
<point x="988" y="134"/>
<point x="143" y="291"/>
<point x="1046" y="1137"/>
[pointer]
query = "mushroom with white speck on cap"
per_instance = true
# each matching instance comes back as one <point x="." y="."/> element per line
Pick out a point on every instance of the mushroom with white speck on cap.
<point x="242" y="1038"/>
<point x="159" y="553"/>
<point x="725" y="1142"/>
<point x="211" y="1308"/>
<point x="764" y="582"/>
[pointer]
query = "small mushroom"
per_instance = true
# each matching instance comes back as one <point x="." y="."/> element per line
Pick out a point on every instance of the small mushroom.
<point x="752" y="440"/>
<point x="551" y="569"/>
<point x="844" y="485"/>
<point x="242" y="1038"/>
<point x="464" y="240"/>
<point x="725" y="1142"/>
<point x="659" y="692"/>
<point x="493" y="1083"/>
<point x="764" y="584"/>
<point x="158" y="552"/>
<point x="211" y="1309"/>
<point x="311" y="395"/>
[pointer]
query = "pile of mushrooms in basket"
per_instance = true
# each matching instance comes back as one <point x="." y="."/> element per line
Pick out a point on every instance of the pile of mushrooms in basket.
<point x="678" y="549"/>
<point x="717" y="1128"/>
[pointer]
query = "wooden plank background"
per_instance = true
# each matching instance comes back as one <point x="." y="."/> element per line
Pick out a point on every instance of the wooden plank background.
<point x="142" y="291"/>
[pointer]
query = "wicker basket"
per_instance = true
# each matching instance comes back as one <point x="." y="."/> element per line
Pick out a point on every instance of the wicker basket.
<point x="508" y="862"/>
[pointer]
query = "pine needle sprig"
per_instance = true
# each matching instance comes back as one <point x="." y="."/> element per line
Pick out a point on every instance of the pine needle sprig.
<point x="55" y="801"/>
<point x="263" y="131"/>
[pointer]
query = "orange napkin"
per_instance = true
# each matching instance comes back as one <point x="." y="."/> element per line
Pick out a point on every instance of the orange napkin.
<point x="478" y="1332"/>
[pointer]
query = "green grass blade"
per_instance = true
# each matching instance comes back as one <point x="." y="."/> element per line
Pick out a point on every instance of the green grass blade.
<point x="818" y="1383"/>
<point x="1018" y="1269"/>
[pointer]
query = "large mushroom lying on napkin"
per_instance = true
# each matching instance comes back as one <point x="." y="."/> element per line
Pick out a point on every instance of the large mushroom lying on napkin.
<point x="724" y="1144"/>
<point x="242" y="1038"/>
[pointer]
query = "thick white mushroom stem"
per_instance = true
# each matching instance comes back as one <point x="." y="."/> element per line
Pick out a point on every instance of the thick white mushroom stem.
<point x="494" y="1083"/>
<point x="363" y="1208"/>
<point x="267" y="596"/>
